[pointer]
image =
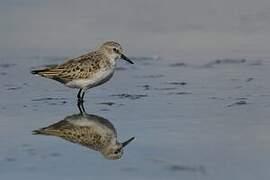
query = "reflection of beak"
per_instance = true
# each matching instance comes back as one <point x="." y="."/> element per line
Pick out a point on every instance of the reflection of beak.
<point x="126" y="58"/>
<point x="127" y="142"/>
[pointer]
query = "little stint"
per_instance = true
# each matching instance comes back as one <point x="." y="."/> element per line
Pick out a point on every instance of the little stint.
<point x="87" y="71"/>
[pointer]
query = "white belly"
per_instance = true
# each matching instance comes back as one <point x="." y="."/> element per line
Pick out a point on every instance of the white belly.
<point x="95" y="80"/>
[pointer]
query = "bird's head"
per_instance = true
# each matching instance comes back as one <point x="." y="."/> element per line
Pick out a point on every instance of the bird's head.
<point x="116" y="151"/>
<point x="114" y="51"/>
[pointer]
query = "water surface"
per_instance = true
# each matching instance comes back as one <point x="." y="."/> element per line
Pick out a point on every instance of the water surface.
<point x="191" y="121"/>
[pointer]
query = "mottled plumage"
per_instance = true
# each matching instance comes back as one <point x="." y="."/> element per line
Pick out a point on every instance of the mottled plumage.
<point x="82" y="67"/>
<point x="87" y="71"/>
<point x="91" y="131"/>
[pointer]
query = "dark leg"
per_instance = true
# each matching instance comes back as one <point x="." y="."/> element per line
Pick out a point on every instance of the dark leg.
<point x="79" y="94"/>
<point x="81" y="107"/>
<point x="83" y="95"/>
<point x="80" y="99"/>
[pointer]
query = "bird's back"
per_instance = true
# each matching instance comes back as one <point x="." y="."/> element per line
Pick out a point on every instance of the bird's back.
<point x="81" y="67"/>
<point x="81" y="130"/>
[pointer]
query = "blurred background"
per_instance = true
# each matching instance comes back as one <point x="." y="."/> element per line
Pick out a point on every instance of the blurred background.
<point x="190" y="29"/>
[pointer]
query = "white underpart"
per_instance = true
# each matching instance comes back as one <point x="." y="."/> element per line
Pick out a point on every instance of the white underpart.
<point x="95" y="124"/>
<point x="96" y="79"/>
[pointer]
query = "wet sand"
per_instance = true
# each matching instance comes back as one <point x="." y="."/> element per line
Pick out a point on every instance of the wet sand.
<point x="191" y="120"/>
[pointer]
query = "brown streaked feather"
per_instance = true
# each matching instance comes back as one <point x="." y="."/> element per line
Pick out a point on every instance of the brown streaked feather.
<point x="77" y="68"/>
<point x="86" y="136"/>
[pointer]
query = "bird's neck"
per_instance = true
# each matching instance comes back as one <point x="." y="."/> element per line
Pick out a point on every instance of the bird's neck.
<point x="109" y="59"/>
<point x="110" y="62"/>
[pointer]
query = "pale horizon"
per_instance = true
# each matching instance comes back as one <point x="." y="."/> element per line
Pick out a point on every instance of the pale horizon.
<point x="190" y="29"/>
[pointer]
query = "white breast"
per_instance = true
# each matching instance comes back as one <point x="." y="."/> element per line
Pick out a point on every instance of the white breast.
<point x="96" y="79"/>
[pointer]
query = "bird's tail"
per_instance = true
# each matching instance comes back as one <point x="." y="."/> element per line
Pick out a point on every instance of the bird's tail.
<point x="54" y="129"/>
<point x="44" y="131"/>
<point x="37" y="132"/>
<point x="48" y="132"/>
<point x="48" y="73"/>
<point x="38" y="71"/>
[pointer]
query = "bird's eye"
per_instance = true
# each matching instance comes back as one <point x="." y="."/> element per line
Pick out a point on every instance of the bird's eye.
<point x="115" y="50"/>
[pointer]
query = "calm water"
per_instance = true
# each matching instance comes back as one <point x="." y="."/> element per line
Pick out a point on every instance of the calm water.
<point x="191" y="121"/>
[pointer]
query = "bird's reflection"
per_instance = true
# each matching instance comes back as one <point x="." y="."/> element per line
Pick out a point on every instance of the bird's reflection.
<point x="91" y="131"/>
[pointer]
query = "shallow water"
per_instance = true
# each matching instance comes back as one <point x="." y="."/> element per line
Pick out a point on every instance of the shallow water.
<point x="191" y="121"/>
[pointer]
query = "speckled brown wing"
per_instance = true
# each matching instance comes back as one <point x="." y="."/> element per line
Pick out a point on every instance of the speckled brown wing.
<point x="77" y="68"/>
<point x="86" y="136"/>
<point x="83" y="135"/>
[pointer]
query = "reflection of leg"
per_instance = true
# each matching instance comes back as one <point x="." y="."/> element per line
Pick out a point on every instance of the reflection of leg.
<point x="81" y="107"/>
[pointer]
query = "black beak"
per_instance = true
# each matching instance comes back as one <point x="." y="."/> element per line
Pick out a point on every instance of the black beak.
<point x="127" y="142"/>
<point x="126" y="58"/>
